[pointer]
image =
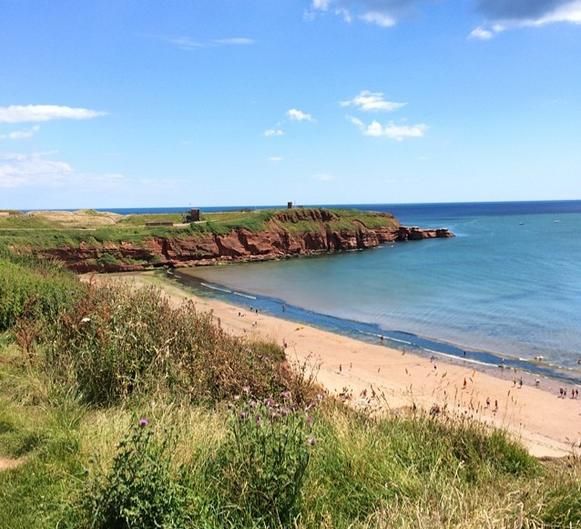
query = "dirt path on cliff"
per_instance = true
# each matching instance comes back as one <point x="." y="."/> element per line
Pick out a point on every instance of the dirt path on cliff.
<point x="8" y="464"/>
<point x="547" y="425"/>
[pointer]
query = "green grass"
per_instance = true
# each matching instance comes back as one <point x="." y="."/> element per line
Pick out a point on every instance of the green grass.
<point x="34" y="232"/>
<point x="232" y="440"/>
<point x="33" y="290"/>
<point x="399" y="472"/>
<point x="141" y="220"/>
<point x="21" y="221"/>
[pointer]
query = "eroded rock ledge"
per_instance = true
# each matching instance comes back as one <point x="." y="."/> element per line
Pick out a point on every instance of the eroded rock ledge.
<point x="239" y="245"/>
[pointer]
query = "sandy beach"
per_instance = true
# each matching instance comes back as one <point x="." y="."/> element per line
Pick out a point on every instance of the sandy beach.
<point x="549" y="426"/>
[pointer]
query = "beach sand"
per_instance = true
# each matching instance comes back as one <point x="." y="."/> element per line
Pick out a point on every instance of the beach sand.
<point x="547" y="425"/>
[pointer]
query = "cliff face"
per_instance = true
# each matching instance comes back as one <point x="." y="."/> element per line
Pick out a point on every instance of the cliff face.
<point x="276" y="242"/>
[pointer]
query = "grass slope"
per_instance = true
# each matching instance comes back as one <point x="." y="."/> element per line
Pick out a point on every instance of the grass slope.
<point x="127" y="413"/>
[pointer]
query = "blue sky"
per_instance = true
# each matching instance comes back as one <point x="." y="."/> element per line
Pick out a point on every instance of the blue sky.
<point x="129" y="103"/>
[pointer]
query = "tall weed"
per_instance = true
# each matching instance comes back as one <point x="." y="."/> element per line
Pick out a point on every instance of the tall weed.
<point x="259" y="472"/>
<point x="117" y="342"/>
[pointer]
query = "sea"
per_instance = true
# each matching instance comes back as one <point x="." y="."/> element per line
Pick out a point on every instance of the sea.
<point x="506" y="291"/>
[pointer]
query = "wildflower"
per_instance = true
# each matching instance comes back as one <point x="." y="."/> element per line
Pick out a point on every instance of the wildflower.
<point x="243" y="415"/>
<point x="143" y="422"/>
<point x="85" y="320"/>
<point x="311" y="441"/>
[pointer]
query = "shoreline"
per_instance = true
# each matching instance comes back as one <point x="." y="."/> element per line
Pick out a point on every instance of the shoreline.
<point x="546" y="424"/>
<point x="503" y="365"/>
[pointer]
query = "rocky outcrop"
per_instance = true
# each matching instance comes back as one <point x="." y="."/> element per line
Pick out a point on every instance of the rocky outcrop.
<point x="237" y="245"/>
<point x="417" y="234"/>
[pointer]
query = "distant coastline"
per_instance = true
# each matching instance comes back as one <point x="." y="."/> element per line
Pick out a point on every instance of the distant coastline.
<point x="400" y="210"/>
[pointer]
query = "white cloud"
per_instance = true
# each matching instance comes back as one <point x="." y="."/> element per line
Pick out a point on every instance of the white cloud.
<point x="18" y="170"/>
<point x="295" y="114"/>
<point x="382" y="13"/>
<point x="321" y="5"/>
<point x="269" y="133"/>
<point x="568" y="12"/>
<point x="23" y="134"/>
<point x="378" y="18"/>
<point x="563" y="11"/>
<point x="38" y="170"/>
<point x="345" y="14"/>
<point x="234" y="41"/>
<point x="189" y="44"/>
<point x="39" y="113"/>
<point x="481" y="33"/>
<point x="275" y="158"/>
<point x="324" y="177"/>
<point x="371" y="102"/>
<point x="390" y="130"/>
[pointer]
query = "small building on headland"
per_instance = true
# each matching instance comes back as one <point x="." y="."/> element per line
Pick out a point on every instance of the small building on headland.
<point x="289" y="205"/>
<point x="193" y="215"/>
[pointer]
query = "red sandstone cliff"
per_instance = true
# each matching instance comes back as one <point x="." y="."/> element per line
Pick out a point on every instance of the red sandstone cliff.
<point x="276" y="242"/>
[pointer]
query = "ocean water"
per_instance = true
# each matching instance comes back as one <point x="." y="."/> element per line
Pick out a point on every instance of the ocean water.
<point x="508" y="286"/>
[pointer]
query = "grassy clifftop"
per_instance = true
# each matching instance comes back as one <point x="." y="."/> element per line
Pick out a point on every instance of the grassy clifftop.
<point x="70" y="229"/>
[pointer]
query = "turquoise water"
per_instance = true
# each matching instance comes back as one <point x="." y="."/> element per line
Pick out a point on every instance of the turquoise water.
<point x="509" y="283"/>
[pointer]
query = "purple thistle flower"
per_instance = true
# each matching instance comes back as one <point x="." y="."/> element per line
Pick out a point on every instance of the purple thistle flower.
<point x="143" y="422"/>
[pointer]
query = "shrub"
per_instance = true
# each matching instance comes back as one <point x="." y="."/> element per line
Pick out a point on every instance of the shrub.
<point x="258" y="473"/>
<point x="142" y="490"/>
<point x="563" y="508"/>
<point x="382" y="463"/>
<point x="108" y="260"/>
<point x="34" y="290"/>
<point x="117" y="342"/>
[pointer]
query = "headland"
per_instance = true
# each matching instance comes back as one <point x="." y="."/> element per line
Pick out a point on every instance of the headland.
<point x="88" y="240"/>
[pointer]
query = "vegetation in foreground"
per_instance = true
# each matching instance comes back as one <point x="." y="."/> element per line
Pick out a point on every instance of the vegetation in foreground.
<point x="126" y="412"/>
